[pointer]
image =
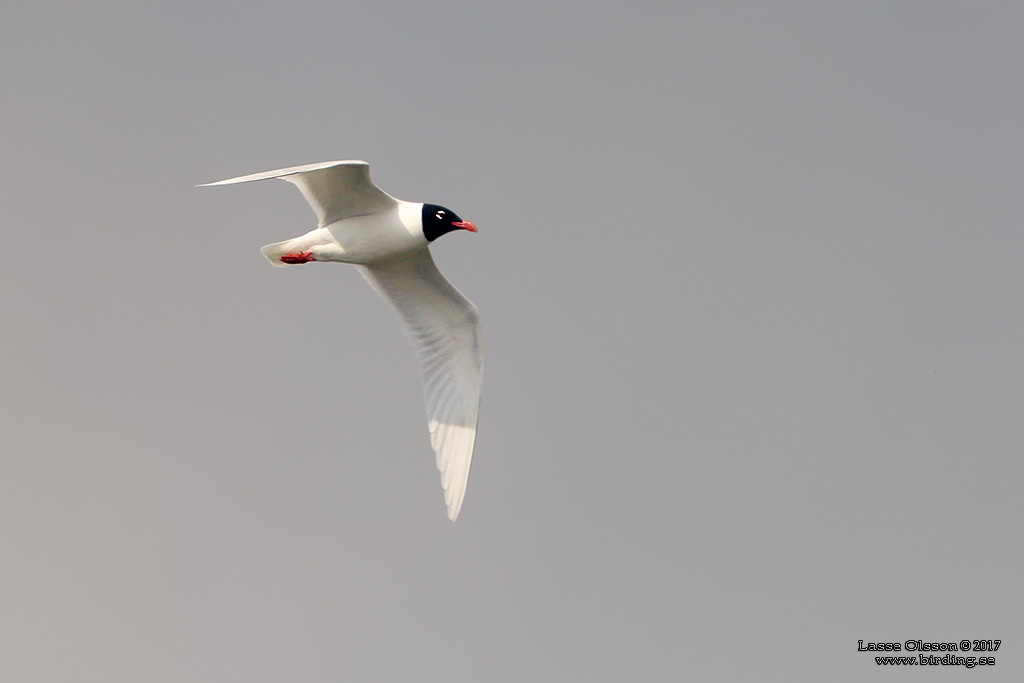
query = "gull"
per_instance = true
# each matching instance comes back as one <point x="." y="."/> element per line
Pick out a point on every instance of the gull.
<point x="387" y="240"/>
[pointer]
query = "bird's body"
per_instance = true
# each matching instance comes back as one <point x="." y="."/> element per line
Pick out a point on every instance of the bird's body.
<point x="359" y="239"/>
<point x="387" y="240"/>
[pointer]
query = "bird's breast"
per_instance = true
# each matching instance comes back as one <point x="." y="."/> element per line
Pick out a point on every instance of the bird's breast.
<point x="374" y="238"/>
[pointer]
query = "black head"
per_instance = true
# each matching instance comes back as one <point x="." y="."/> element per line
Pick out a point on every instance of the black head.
<point x="438" y="220"/>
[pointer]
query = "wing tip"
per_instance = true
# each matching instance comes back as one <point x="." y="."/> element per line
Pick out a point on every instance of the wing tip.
<point x="291" y="170"/>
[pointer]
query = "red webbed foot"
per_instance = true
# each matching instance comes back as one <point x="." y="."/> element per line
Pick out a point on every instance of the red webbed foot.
<point x="301" y="257"/>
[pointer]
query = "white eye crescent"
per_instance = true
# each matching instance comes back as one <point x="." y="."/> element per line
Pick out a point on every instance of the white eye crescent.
<point x="440" y="214"/>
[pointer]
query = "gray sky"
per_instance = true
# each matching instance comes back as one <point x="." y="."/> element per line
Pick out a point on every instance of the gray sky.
<point x="751" y="283"/>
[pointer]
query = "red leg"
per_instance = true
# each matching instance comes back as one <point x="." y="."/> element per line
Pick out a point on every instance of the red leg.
<point x="301" y="257"/>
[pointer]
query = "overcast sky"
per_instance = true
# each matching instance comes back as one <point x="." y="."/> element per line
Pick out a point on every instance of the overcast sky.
<point x="751" y="284"/>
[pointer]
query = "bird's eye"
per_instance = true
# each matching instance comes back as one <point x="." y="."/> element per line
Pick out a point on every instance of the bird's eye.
<point x="440" y="215"/>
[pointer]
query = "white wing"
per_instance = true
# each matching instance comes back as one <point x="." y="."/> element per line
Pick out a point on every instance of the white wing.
<point x="444" y="327"/>
<point x="335" y="189"/>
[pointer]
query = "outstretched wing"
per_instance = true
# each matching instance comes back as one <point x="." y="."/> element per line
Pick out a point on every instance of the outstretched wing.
<point x="335" y="189"/>
<point x="444" y="327"/>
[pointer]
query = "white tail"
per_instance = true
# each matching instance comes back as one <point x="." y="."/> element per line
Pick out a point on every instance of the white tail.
<point x="275" y="251"/>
